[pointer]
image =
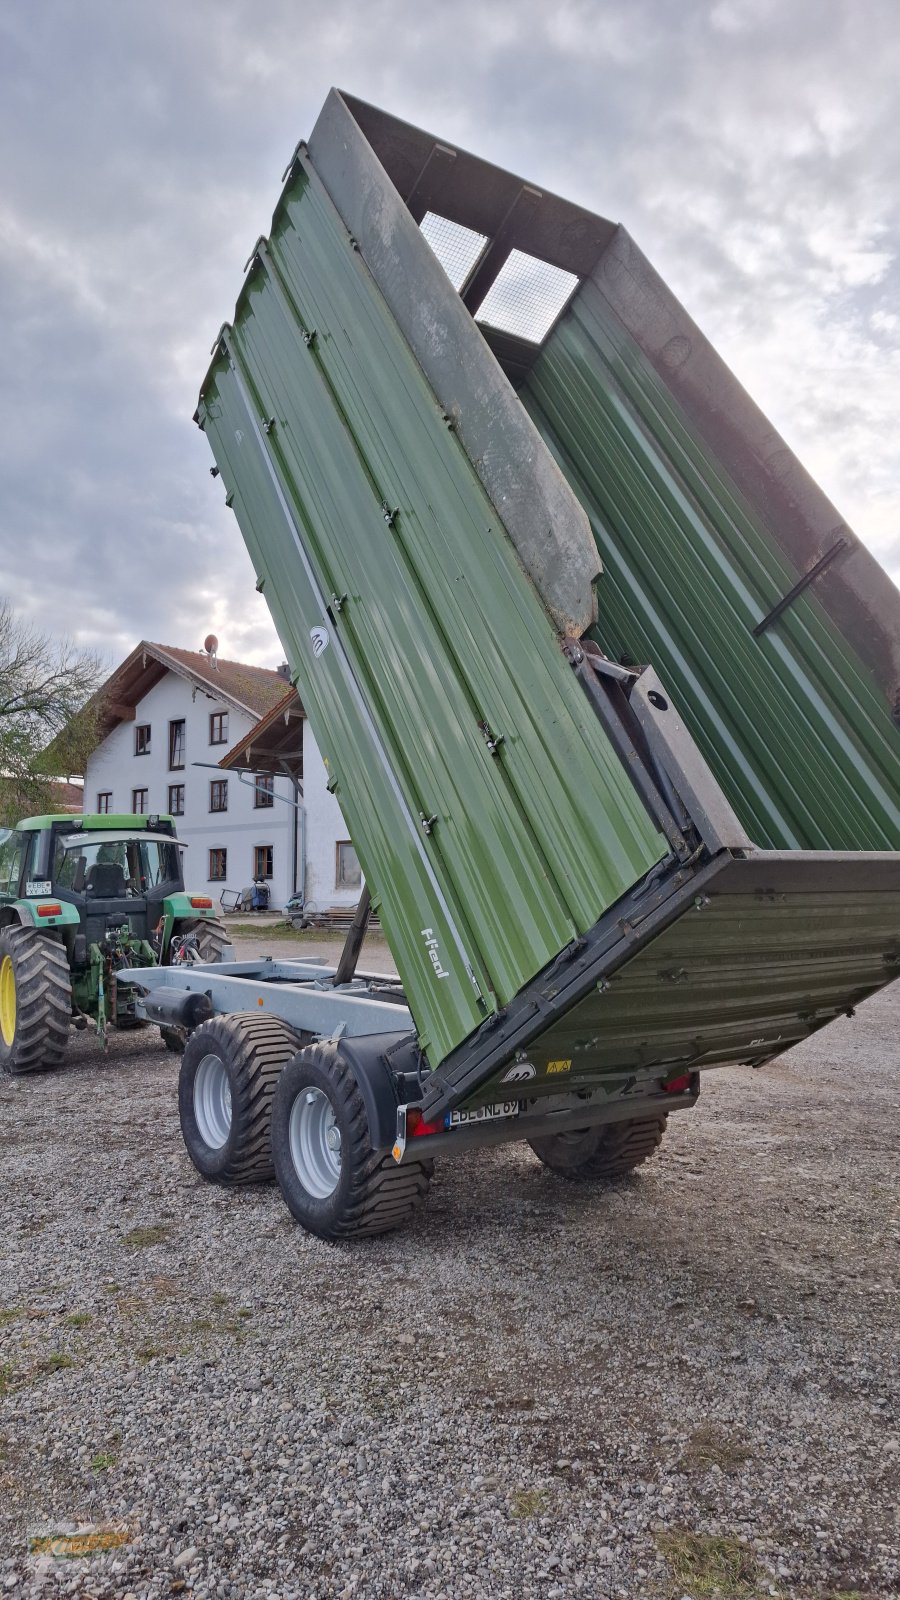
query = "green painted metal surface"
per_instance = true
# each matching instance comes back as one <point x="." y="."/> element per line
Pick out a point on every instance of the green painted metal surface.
<point x="738" y="977"/>
<point x="30" y="910"/>
<point x="493" y="820"/>
<point x="792" y="724"/>
<point x="92" y="823"/>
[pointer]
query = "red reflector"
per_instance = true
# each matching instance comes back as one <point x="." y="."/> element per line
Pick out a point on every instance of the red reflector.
<point x="416" y="1125"/>
<point x="54" y="909"/>
<point x="678" y="1085"/>
<point x="201" y="902"/>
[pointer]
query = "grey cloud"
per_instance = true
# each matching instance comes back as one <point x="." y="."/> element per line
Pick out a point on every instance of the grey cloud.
<point x="750" y="148"/>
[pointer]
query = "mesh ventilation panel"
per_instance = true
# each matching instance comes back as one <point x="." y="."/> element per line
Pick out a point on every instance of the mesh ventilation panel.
<point x="457" y="248"/>
<point x="526" y="297"/>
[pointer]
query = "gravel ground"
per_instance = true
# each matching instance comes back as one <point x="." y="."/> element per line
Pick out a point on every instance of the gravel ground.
<point x="683" y="1382"/>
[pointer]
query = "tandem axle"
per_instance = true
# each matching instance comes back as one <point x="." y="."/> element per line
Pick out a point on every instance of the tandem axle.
<point x="287" y="1073"/>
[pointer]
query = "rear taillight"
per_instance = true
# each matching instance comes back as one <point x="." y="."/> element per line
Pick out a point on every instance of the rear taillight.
<point x="678" y="1085"/>
<point x="54" y="909"/>
<point x="417" y="1127"/>
<point x="201" y="902"/>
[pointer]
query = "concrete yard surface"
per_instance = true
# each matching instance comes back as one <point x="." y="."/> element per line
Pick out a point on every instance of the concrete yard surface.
<point x="680" y="1385"/>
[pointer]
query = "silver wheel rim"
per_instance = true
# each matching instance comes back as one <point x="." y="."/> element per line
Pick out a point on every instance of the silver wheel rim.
<point x="315" y="1141"/>
<point x="212" y="1102"/>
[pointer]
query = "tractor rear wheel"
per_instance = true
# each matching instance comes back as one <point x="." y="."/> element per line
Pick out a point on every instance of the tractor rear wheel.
<point x="210" y="938"/>
<point x="35" y="1001"/>
<point x="228" y="1074"/>
<point x="333" y="1181"/>
<point x="603" y="1153"/>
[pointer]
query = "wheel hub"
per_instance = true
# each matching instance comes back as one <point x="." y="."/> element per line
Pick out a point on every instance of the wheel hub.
<point x="212" y="1101"/>
<point x="7" y="1000"/>
<point x="315" y="1143"/>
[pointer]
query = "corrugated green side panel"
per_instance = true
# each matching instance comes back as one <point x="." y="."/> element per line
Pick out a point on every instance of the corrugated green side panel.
<point x="357" y="493"/>
<point x="791" y="723"/>
<point x="743" y="976"/>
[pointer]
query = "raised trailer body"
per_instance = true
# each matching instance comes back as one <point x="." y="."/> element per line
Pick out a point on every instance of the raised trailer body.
<point x="608" y="692"/>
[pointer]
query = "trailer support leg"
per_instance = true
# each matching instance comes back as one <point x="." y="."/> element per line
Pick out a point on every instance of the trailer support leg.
<point x="346" y="967"/>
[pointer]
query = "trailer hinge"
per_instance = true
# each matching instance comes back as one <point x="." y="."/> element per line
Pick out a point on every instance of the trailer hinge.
<point x="338" y="601"/>
<point x="268" y="424"/>
<point x="492" y="740"/>
<point x="390" y="516"/>
<point x="298" y="148"/>
<point x="427" y="822"/>
<point x="309" y="336"/>
<point x="214" y="472"/>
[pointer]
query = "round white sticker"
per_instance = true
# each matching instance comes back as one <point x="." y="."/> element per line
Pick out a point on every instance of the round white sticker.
<point x="319" y="637"/>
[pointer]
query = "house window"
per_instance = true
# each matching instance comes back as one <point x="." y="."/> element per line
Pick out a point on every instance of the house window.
<point x="176" y="745"/>
<point x="218" y="865"/>
<point x="347" y="872"/>
<point x="176" y="799"/>
<point x="139" y="801"/>
<point x="104" y="802"/>
<point x="262" y="861"/>
<point x="264" y="793"/>
<point x="218" y="727"/>
<point x="218" y="794"/>
<point x="142" y="739"/>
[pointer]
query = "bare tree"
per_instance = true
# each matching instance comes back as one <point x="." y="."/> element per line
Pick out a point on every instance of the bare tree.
<point x="46" y="727"/>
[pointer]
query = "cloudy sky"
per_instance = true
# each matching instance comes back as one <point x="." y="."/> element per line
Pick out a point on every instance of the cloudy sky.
<point x="750" y="146"/>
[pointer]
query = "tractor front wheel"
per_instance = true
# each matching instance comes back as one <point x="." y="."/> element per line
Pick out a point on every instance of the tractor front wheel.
<point x="35" y="1001"/>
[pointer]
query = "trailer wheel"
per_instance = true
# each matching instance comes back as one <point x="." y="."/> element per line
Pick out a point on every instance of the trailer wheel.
<point x="332" y="1179"/>
<point x="35" y="1001"/>
<point x="228" y="1074"/>
<point x="603" y="1153"/>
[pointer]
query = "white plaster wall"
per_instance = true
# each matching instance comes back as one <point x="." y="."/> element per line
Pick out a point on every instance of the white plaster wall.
<point x="325" y="825"/>
<point x="116" y="768"/>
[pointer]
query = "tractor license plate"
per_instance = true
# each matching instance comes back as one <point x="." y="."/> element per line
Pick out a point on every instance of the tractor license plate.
<point x="506" y="1108"/>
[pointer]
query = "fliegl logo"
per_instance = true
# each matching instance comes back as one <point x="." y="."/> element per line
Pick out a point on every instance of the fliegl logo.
<point x="431" y="945"/>
<point x="521" y="1072"/>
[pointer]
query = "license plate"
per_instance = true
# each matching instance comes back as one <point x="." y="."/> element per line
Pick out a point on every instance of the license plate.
<point x="506" y="1108"/>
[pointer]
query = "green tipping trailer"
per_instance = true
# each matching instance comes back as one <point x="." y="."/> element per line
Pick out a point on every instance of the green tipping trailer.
<point x="607" y="691"/>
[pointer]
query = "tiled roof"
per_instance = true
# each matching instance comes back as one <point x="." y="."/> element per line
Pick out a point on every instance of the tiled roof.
<point x="256" y="688"/>
<point x="275" y="743"/>
<point x="67" y="796"/>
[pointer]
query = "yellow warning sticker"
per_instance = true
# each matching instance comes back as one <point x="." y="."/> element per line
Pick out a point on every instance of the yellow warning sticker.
<point x="558" y="1066"/>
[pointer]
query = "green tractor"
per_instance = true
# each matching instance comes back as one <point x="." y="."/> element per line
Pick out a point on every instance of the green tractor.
<point x="80" y="898"/>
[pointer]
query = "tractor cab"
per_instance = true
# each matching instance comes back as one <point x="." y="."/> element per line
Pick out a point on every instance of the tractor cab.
<point x="115" y="878"/>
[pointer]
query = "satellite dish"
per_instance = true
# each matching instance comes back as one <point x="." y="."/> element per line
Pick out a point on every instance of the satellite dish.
<point x="211" y="644"/>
